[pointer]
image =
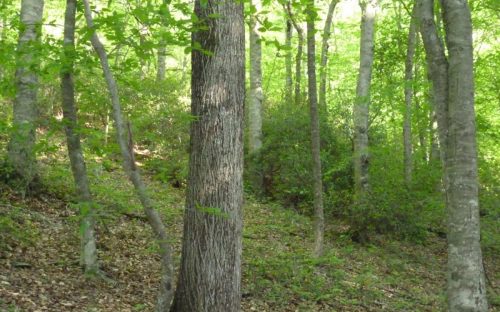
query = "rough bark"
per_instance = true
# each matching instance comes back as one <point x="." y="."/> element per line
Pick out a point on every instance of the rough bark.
<point x="124" y="139"/>
<point x="324" y="54"/>
<point x="88" y="242"/>
<point x="466" y="280"/>
<point x="210" y="273"/>
<point x="288" y="62"/>
<point x="319" y="221"/>
<point x="437" y="66"/>
<point x="361" y="107"/>
<point x="255" y="99"/>
<point x="408" y="90"/>
<point x="298" y="57"/>
<point x="21" y="154"/>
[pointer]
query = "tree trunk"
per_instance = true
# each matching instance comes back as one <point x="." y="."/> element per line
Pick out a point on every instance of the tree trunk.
<point x="126" y="148"/>
<point x="361" y="107"/>
<point x="88" y="242"/>
<point x="210" y="273"/>
<point x="319" y="221"/>
<point x="162" y="47"/>
<point x="298" y="57"/>
<point x="256" y="99"/>
<point x="288" y="62"/>
<point x="324" y="55"/>
<point x="466" y="280"/>
<point x="21" y="154"/>
<point x="407" y="133"/>
<point x="437" y="66"/>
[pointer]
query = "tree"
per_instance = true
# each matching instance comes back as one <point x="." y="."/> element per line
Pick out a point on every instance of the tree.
<point x="407" y="131"/>
<point x="288" y="61"/>
<point x="437" y="66"/>
<point x="162" y="47"/>
<point x="319" y="221"/>
<point x="127" y="150"/>
<point x="21" y="150"/>
<point x="210" y="273"/>
<point x="361" y="106"/>
<point x="88" y="242"/>
<point x="324" y="54"/>
<point x="256" y="97"/>
<point x="466" y="280"/>
<point x="298" y="57"/>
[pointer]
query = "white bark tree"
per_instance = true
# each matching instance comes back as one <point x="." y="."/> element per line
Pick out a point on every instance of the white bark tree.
<point x="408" y="92"/>
<point x="256" y="97"/>
<point x="466" y="279"/>
<point x="21" y="154"/>
<point x="361" y="106"/>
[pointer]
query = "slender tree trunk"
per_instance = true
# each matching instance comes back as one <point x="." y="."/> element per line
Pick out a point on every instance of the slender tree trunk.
<point x="319" y="221"/>
<point x="422" y="119"/>
<point x="466" y="280"/>
<point x="162" y="48"/>
<point x="298" y="57"/>
<point x="126" y="148"/>
<point x="433" y="128"/>
<point x="162" y="56"/>
<point x="88" y="242"/>
<point x="361" y="107"/>
<point x="324" y="55"/>
<point x="437" y="66"/>
<point x="210" y="273"/>
<point x="256" y="99"/>
<point x="288" y="62"/>
<point x="407" y="131"/>
<point x="21" y="154"/>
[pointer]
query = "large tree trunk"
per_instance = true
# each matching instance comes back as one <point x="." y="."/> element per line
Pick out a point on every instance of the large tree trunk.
<point x="288" y="62"/>
<point x="466" y="280"/>
<point x="361" y="107"/>
<point x="324" y="55"/>
<point x="437" y="66"/>
<point x="256" y="99"/>
<point x="88" y="242"/>
<point x="21" y="154"/>
<point x="126" y="149"/>
<point x="210" y="273"/>
<point x="319" y="221"/>
<point x="407" y="133"/>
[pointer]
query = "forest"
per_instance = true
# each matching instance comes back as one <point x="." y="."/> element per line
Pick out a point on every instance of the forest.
<point x="257" y="155"/>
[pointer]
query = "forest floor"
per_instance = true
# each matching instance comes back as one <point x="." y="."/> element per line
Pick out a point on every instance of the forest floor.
<point x="39" y="268"/>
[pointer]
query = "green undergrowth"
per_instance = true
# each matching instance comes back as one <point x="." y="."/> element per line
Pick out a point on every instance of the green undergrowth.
<point x="278" y="270"/>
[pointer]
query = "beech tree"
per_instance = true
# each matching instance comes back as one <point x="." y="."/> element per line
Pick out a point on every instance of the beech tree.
<point x="466" y="280"/>
<point x="361" y="106"/>
<point x="324" y="54"/>
<point x="210" y="273"/>
<point x="78" y="168"/>
<point x="21" y="150"/>
<point x="407" y="130"/>
<point x="300" y="47"/>
<point x="256" y="95"/>
<point x="319" y="222"/>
